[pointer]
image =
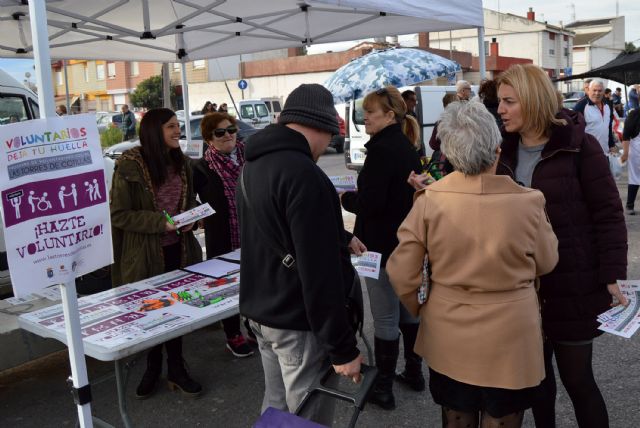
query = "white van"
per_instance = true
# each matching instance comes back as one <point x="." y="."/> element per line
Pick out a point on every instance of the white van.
<point x="255" y="112"/>
<point x="428" y="111"/>
<point x="274" y="104"/>
<point x="17" y="104"/>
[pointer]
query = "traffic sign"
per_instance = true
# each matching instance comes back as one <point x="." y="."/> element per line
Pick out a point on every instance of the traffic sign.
<point x="242" y="84"/>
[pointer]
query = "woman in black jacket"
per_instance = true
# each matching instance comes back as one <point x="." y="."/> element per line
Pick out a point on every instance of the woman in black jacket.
<point x="381" y="203"/>
<point x="215" y="176"/>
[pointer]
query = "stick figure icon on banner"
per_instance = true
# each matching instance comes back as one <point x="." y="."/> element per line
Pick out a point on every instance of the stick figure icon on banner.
<point x="15" y="198"/>
<point x="93" y="189"/>
<point x="62" y="195"/>
<point x="40" y="202"/>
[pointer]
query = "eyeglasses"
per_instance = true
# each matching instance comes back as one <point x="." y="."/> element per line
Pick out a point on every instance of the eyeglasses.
<point x="219" y="132"/>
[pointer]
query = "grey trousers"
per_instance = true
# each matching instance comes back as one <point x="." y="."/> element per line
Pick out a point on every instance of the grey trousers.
<point x="291" y="360"/>
<point x="386" y="309"/>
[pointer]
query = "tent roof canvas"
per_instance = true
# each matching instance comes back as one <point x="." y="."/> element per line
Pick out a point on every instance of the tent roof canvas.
<point x="186" y="30"/>
<point x="625" y="68"/>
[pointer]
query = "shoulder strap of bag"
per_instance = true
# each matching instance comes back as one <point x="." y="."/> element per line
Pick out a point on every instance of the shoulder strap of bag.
<point x="287" y="259"/>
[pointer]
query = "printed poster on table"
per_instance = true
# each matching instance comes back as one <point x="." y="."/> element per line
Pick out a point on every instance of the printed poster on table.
<point x="54" y="201"/>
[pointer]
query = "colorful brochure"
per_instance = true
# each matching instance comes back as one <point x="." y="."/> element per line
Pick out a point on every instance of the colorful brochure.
<point x="193" y="215"/>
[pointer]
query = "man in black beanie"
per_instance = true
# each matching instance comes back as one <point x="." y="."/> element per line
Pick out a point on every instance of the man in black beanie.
<point x="295" y="266"/>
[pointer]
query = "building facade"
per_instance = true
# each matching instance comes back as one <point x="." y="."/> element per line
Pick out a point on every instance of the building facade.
<point x="547" y="46"/>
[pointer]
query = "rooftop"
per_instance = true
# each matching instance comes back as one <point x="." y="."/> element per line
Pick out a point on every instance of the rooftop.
<point x="590" y="22"/>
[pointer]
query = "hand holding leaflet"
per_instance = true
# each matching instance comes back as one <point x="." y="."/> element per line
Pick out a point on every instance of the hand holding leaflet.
<point x="193" y="215"/>
<point x="344" y="183"/>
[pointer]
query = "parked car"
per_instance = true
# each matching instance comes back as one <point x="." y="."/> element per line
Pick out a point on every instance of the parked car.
<point x="337" y="141"/>
<point x="570" y="103"/>
<point x="104" y="119"/>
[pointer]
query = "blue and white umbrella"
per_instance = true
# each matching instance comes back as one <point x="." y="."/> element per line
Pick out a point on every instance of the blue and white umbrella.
<point x="397" y="67"/>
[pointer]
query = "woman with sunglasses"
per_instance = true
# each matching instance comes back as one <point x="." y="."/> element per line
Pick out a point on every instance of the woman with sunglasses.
<point x="214" y="180"/>
<point x="149" y="182"/>
<point x="381" y="203"/>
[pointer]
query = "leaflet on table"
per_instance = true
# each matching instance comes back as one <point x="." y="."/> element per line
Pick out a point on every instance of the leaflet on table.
<point x="215" y="268"/>
<point x="145" y="308"/>
<point x="50" y="293"/>
<point x="233" y="256"/>
<point x="130" y="327"/>
<point x="21" y="300"/>
<point x="368" y="264"/>
<point x="344" y="183"/>
<point x="193" y="215"/>
<point x="620" y="320"/>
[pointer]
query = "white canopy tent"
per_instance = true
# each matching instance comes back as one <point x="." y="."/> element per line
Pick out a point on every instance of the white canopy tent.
<point x="186" y="30"/>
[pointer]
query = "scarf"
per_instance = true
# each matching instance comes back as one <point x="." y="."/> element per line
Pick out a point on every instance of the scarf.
<point x="228" y="171"/>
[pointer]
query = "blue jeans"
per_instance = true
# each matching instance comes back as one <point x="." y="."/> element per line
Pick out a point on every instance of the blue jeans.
<point x="386" y="309"/>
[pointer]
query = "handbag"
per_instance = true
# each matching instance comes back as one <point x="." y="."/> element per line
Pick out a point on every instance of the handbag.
<point x="425" y="285"/>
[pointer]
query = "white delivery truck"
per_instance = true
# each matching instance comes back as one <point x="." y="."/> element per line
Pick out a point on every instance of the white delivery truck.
<point x="17" y="104"/>
<point x="428" y="111"/>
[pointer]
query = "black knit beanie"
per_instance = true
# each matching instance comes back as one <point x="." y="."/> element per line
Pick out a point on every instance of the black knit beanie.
<point x="311" y="105"/>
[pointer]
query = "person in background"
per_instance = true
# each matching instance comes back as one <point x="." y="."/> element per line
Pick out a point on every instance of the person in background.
<point x="296" y="303"/>
<point x="616" y="98"/>
<point x="544" y="145"/>
<point x="149" y="182"/>
<point x="463" y="90"/>
<point x="598" y="115"/>
<point x="223" y="108"/>
<point x="631" y="155"/>
<point x="488" y="94"/>
<point x="411" y="100"/>
<point x="634" y="97"/>
<point x="61" y="110"/>
<point x="128" y="124"/>
<point x="478" y="304"/>
<point x="207" y="108"/>
<point x="438" y="165"/>
<point x="215" y="176"/>
<point x="381" y="202"/>
<point x="14" y="118"/>
<point x="585" y="88"/>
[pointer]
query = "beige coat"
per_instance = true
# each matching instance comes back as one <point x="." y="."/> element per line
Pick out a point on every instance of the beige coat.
<point x="487" y="239"/>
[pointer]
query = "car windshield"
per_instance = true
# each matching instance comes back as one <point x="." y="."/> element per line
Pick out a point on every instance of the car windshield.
<point x="195" y="129"/>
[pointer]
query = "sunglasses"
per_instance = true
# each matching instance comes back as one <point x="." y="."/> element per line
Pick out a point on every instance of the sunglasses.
<point x="219" y="132"/>
<point x="383" y="91"/>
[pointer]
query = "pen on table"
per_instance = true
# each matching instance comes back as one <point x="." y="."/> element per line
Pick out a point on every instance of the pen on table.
<point x="170" y="220"/>
<point x="216" y="300"/>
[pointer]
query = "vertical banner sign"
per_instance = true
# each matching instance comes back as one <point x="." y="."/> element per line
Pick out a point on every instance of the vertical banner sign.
<point x="54" y="201"/>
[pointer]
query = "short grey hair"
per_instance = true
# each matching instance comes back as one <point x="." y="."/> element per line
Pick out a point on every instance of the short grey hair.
<point x="470" y="137"/>
<point x="595" y="82"/>
<point x="461" y="84"/>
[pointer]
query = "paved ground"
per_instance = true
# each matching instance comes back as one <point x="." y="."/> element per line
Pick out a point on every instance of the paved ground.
<point x="35" y="395"/>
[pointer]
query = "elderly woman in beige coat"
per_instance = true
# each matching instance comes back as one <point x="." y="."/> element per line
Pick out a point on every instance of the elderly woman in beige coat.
<point x="487" y="240"/>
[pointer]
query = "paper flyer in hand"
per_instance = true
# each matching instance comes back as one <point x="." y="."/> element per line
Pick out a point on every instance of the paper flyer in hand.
<point x="344" y="183"/>
<point x="193" y="215"/>
<point x="620" y="320"/>
<point x="368" y="264"/>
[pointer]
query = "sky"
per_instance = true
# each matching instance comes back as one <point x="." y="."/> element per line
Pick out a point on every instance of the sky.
<point x="550" y="10"/>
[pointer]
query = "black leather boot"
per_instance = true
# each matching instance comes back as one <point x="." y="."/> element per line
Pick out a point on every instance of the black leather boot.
<point x="412" y="375"/>
<point x="177" y="375"/>
<point x="386" y="352"/>
<point x="149" y="382"/>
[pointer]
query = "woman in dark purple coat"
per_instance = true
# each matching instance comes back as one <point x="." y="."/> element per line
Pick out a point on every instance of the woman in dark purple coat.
<point x="546" y="147"/>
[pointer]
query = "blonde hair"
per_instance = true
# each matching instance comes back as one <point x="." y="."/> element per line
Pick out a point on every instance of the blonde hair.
<point x="390" y="99"/>
<point x="538" y="97"/>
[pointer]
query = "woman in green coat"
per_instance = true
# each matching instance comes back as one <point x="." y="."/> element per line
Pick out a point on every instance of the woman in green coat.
<point x="149" y="181"/>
